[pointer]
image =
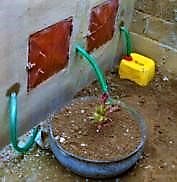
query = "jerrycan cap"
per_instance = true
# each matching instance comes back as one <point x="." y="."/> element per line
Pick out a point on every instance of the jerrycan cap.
<point x="128" y="58"/>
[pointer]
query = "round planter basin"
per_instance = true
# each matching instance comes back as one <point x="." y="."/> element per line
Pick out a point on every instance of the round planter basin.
<point x="96" y="168"/>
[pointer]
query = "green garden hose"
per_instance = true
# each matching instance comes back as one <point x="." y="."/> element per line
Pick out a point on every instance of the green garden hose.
<point x="95" y="67"/>
<point x="13" y="126"/>
<point x="98" y="72"/>
<point x="127" y="38"/>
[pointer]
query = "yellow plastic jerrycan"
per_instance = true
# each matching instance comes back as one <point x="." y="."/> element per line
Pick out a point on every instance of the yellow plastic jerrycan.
<point x="138" y="68"/>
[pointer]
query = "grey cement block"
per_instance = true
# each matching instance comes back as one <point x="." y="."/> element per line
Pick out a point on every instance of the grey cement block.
<point x="164" y="9"/>
<point x="155" y="28"/>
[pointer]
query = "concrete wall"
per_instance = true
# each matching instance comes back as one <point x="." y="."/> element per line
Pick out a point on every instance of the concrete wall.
<point x="154" y="33"/>
<point x="21" y="18"/>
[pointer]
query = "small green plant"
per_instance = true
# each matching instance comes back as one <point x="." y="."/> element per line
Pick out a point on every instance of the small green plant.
<point x="100" y="113"/>
<point x="103" y="111"/>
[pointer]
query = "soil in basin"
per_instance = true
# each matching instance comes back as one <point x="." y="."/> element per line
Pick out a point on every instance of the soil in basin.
<point x="78" y="133"/>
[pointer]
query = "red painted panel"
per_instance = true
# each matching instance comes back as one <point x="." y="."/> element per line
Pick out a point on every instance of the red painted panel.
<point x="102" y="21"/>
<point x="48" y="52"/>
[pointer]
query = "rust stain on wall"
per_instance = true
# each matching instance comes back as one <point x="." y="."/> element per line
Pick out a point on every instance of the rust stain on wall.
<point x="48" y="52"/>
<point x="102" y="21"/>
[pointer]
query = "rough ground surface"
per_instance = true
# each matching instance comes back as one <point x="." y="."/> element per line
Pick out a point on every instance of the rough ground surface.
<point x="158" y="105"/>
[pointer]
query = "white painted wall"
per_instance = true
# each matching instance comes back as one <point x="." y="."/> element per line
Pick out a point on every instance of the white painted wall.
<point x="19" y="19"/>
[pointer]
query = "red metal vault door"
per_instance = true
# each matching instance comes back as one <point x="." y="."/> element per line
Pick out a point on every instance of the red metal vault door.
<point x="102" y="22"/>
<point x="48" y="52"/>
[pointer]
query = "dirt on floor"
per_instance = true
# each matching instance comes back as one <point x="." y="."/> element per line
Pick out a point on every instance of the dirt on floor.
<point x="157" y="103"/>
